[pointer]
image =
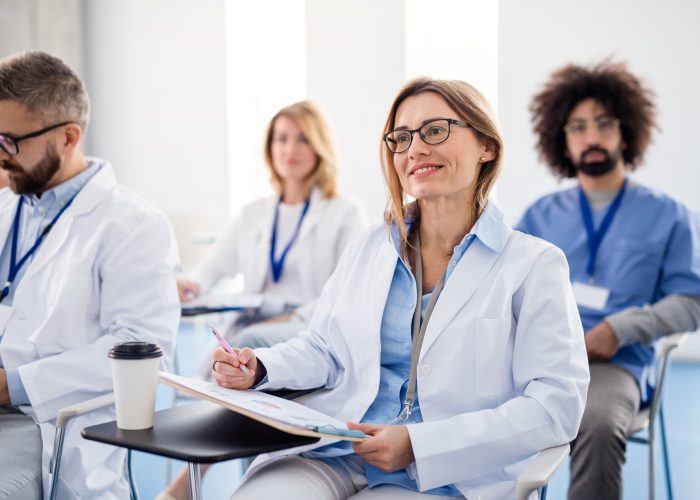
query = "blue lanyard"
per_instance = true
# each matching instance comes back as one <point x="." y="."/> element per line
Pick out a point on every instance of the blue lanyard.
<point x="278" y="265"/>
<point x="596" y="237"/>
<point x="14" y="265"/>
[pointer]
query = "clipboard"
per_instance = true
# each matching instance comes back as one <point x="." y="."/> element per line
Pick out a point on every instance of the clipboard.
<point x="222" y="302"/>
<point x="281" y="414"/>
<point x="199" y="310"/>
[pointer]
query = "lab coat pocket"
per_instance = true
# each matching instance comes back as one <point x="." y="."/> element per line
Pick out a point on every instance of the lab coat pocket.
<point x="494" y="356"/>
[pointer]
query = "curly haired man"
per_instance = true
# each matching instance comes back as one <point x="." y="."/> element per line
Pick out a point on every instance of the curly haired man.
<point x="634" y="253"/>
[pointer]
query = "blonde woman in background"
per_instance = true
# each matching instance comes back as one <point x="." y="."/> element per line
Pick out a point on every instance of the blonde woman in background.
<point x="286" y="246"/>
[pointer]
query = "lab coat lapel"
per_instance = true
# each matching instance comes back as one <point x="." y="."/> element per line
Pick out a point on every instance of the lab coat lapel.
<point x="8" y="207"/>
<point x="92" y="193"/>
<point x="317" y="205"/>
<point x="470" y="272"/>
<point x="262" y="243"/>
<point x="383" y="273"/>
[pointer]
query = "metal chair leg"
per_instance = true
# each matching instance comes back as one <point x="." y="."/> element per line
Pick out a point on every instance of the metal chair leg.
<point x="650" y="471"/>
<point x="133" y="491"/>
<point x="55" y="466"/>
<point x="195" y="481"/>
<point x="664" y="449"/>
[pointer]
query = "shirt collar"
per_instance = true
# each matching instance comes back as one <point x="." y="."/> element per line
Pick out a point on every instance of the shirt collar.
<point x="66" y="190"/>
<point x="487" y="230"/>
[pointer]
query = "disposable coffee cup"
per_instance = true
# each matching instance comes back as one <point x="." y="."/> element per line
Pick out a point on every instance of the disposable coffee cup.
<point x="135" y="376"/>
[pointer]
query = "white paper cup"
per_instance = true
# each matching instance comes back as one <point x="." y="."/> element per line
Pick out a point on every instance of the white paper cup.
<point x="135" y="377"/>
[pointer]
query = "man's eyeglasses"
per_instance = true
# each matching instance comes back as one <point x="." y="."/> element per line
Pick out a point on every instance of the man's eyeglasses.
<point x="433" y="132"/>
<point x="10" y="144"/>
<point x="605" y="125"/>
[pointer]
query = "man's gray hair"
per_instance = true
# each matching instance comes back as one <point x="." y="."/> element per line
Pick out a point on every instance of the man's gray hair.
<point x="49" y="89"/>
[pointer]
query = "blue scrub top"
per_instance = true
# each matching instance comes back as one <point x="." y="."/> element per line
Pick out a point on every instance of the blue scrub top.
<point x="651" y="250"/>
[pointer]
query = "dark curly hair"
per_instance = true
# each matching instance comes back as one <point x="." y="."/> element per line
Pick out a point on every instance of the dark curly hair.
<point x="621" y="93"/>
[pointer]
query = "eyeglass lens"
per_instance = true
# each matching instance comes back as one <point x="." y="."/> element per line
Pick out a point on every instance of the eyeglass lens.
<point x="433" y="132"/>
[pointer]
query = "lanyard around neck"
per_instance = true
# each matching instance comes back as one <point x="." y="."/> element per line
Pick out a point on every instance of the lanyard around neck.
<point x="15" y="266"/>
<point x="419" y="328"/>
<point x="278" y="265"/>
<point x="596" y="237"/>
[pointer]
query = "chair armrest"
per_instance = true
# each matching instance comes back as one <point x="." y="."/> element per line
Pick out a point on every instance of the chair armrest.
<point x="670" y="342"/>
<point x="540" y="470"/>
<point x="68" y="412"/>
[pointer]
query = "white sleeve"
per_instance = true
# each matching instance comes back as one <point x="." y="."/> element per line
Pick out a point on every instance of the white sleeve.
<point x="137" y="302"/>
<point x="352" y="221"/>
<point x="309" y="361"/>
<point x="224" y="258"/>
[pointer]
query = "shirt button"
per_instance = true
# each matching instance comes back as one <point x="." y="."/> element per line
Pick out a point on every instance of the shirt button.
<point x="411" y="305"/>
<point x="452" y="263"/>
<point x="41" y="210"/>
<point x="426" y="369"/>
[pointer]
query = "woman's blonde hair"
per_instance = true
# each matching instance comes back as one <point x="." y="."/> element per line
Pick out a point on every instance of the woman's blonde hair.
<point x="469" y="105"/>
<point x="315" y="128"/>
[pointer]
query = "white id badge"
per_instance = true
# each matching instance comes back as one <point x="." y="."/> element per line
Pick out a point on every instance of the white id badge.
<point x="590" y="296"/>
<point x="5" y="314"/>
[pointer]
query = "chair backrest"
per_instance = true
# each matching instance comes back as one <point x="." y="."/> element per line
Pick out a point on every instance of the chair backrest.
<point x="647" y="416"/>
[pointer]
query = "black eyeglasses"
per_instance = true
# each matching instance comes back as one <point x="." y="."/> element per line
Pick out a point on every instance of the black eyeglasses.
<point x="10" y="144"/>
<point x="433" y="132"/>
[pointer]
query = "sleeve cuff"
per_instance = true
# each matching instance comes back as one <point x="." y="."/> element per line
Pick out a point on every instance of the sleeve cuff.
<point x="18" y="395"/>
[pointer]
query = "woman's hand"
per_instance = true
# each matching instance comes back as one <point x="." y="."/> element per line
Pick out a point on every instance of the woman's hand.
<point x="227" y="372"/>
<point x="389" y="448"/>
<point x="187" y="290"/>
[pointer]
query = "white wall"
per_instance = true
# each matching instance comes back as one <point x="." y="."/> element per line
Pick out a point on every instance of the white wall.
<point x="351" y="77"/>
<point x="156" y="76"/>
<point x="265" y="70"/>
<point x="656" y="38"/>
<point x="55" y="26"/>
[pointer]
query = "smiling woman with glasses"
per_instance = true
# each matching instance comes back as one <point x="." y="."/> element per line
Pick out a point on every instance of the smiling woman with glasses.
<point x="450" y="342"/>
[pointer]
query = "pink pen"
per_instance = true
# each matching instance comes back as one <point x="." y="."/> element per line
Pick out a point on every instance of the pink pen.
<point x="227" y="347"/>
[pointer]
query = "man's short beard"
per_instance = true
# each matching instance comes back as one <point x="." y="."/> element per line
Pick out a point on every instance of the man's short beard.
<point x="598" y="168"/>
<point x="34" y="182"/>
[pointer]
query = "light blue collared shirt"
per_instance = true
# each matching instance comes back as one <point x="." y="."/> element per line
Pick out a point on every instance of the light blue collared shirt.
<point x="396" y="345"/>
<point x="650" y="251"/>
<point x="36" y="214"/>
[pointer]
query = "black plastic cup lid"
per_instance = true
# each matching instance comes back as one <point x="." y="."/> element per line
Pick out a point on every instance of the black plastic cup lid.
<point x="135" y="350"/>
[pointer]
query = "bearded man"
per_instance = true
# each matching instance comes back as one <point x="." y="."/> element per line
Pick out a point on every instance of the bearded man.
<point x="84" y="264"/>
<point x="633" y="252"/>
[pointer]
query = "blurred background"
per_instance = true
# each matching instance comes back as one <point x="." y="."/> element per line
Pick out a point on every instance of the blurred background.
<point x="182" y="91"/>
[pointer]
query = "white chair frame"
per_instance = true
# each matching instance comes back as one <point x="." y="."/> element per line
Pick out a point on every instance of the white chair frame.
<point x="647" y="417"/>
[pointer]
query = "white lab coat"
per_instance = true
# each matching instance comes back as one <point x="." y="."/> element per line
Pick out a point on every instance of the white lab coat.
<point x="502" y="371"/>
<point x="245" y="246"/>
<point x="104" y="274"/>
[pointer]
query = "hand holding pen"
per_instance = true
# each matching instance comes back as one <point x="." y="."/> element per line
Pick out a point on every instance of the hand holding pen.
<point x="233" y="368"/>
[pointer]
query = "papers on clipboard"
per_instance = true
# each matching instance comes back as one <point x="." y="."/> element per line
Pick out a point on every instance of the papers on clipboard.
<point x="276" y="412"/>
<point x="217" y="303"/>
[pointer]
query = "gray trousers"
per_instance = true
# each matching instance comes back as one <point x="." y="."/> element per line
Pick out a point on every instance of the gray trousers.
<point x="298" y="478"/>
<point x="20" y="456"/>
<point x="598" y="452"/>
